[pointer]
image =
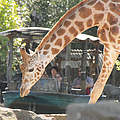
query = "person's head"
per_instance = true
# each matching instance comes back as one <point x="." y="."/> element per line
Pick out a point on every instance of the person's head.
<point x="54" y="71"/>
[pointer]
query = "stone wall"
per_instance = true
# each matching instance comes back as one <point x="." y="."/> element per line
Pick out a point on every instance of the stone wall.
<point x="101" y="111"/>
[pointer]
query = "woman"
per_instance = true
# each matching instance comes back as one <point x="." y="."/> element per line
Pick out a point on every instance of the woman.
<point x="55" y="75"/>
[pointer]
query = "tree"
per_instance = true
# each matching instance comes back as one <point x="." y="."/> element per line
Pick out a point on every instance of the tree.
<point x="46" y="13"/>
<point x="12" y="16"/>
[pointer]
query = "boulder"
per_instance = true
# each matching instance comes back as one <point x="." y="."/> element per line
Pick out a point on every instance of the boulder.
<point x="99" y="111"/>
<point x="111" y="90"/>
<point x="18" y="114"/>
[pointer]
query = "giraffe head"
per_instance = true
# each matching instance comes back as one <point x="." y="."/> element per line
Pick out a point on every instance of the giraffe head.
<point x="32" y="69"/>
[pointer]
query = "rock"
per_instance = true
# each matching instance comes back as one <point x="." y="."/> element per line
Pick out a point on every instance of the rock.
<point x="99" y="111"/>
<point x="17" y="114"/>
<point x="111" y="90"/>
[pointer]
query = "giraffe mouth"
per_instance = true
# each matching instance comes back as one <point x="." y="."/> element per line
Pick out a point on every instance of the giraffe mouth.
<point x="24" y="91"/>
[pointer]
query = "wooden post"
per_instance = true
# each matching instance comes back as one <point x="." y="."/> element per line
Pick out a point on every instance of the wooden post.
<point x="84" y="64"/>
<point x="67" y="66"/>
<point x="9" y="60"/>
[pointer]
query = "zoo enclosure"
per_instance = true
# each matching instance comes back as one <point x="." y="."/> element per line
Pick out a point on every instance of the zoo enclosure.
<point x="72" y="57"/>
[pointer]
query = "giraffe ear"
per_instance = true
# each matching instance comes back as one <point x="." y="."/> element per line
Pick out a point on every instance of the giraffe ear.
<point x="24" y="54"/>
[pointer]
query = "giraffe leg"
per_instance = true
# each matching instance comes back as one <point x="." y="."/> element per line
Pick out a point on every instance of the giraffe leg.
<point x="109" y="59"/>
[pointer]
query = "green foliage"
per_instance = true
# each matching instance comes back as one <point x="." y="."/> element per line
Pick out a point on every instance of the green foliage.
<point x="46" y="13"/>
<point x="118" y="65"/>
<point x="12" y="16"/>
<point x="58" y="8"/>
<point x="8" y="15"/>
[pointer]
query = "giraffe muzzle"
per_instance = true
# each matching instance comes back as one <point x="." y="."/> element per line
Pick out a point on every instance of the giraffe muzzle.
<point x="24" y="91"/>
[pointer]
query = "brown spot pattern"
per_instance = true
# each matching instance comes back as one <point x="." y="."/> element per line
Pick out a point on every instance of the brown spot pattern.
<point x="47" y="46"/>
<point x="26" y="81"/>
<point x="35" y="75"/>
<point x="60" y="31"/>
<point x="67" y="23"/>
<point x="33" y="81"/>
<point x="111" y="38"/>
<point x="98" y="18"/>
<point x="114" y="30"/>
<point x="89" y="23"/>
<point x="39" y="69"/>
<point x="48" y="56"/>
<point x="99" y="6"/>
<point x="112" y="19"/>
<point x="104" y="68"/>
<point x="38" y="78"/>
<point x="80" y="25"/>
<point x="38" y="73"/>
<point x="108" y="63"/>
<point x="105" y="58"/>
<point x="102" y="35"/>
<point x="45" y="52"/>
<point x="106" y="51"/>
<point x="66" y="40"/>
<point x="53" y="38"/>
<point x="54" y="51"/>
<point x="58" y="42"/>
<point x="103" y="75"/>
<point x="85" y="12"/>
<point x="114" y="8"/>
<point x="107" y="45"/>
<point x="105" y="26"/>
<point x="118" y="41"/>
<point x="72" y="17"/>
<point x="73" y="31"/>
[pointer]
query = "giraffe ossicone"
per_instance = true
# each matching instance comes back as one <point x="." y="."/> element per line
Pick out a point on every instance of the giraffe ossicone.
<point x="89" y="13"/>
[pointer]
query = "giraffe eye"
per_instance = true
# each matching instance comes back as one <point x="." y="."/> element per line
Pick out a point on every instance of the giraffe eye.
<point x="31" y="70"/>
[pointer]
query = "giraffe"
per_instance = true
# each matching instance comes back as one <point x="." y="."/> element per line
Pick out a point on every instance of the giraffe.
<point x="89" y="13"/>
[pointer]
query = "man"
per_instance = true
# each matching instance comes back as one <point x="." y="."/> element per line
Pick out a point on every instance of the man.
<point x="77" y="80"/>
<point x="89" y="84"/>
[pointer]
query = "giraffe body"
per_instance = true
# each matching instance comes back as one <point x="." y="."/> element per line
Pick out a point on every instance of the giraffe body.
<point x="102" y="13"/>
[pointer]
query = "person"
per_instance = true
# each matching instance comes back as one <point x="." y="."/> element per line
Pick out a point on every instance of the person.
<point x="89" y="84"/>
<point x="77" y="80"/>
<point x="55" y="75"/>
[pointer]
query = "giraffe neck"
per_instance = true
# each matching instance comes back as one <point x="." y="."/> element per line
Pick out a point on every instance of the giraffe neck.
<point x="89" y="13"/>
<point x="85" y="15"/>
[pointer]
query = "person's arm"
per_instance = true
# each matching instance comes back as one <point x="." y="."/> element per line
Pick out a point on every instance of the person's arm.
<point x="76" y="83"/>
<point x="89" y="82"/>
